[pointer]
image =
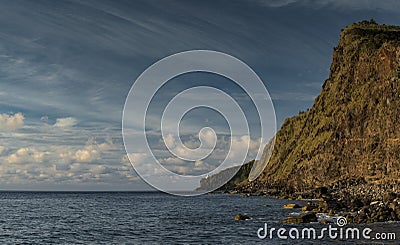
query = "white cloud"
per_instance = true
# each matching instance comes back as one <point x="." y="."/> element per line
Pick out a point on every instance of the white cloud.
<point x="238" y="145"/>
<point x="169" y="141"/>
<point x="100" y="169"/>
<point x="26" y="155"/>
<point x="144" y="163"/>
<point x="172" y="161"/>
<point x="106" y="146"/>
<point x="65" y="122"/>
<point x="44" y="119"/>
<point x="136" y="158"/>
<point x="2" y="148"/>
<point x="11" y="122"/>
<point x="50" y="164"/>
<point x="87" y="154"/>
<point x="208" y="136"/>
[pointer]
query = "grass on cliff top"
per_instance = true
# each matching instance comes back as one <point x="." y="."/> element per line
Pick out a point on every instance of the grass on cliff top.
<point x="373" y="26"/>
<point x="372" y="30"/>
<point x="369" y="36"/>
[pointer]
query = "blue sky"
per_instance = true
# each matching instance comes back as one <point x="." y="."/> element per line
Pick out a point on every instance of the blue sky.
<point x="66" y="68"/>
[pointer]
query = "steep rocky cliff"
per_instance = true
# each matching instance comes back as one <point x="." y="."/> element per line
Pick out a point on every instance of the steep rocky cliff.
<point x="352" y="132"/>
<point x="353" y="128"/>
<point x="345" y="150"/>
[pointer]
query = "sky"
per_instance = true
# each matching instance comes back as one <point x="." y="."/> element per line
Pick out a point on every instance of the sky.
<point x="66" y="68"/>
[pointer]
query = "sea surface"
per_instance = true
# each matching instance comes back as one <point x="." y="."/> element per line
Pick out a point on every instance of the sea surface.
<point x="151" y="218"/>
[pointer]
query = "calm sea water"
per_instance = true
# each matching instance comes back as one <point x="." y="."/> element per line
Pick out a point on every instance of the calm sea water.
<point x="144" y="218"/>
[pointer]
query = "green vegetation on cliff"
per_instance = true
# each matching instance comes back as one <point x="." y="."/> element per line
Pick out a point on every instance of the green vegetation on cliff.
<point x="344" y="150"/>
<point x="351" y="130"/>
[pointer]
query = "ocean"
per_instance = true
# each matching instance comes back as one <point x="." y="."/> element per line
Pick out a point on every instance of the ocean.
<point x="151" y="218"/>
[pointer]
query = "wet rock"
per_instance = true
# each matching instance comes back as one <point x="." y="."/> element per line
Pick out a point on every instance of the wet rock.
<point x="356" y="203"/>
<point x="324" y="222"/>
<point x="302" y="218"/>
<point x="364" y="210"/>
<point x="328" y="206"/>
<point x="241" y="217"/>
<point x="350" y="218"/>
<point x="397" y="211"/>
<point x="291" y="205"/>
<point x="362" y="218"/>
<point x="389" y="197"/>
<point x="306" y="208"/>
<point x="310" y="206"/>
<point x="322" y="190"/>
<point x="257" y="193"/>
<point x="393" y="205"/>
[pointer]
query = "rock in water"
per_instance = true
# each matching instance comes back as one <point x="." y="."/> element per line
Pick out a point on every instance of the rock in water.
<point x="324" y="222"/>
<point x="291" y="205"/>
<point x="242" y="217"/>
<point x="302" y="218"/>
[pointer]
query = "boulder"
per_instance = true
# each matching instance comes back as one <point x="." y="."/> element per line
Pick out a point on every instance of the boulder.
<point x="324" y="222"/>
<point x="306" y="208"/>
<point x="302" y="218"/>
<point x="389" y="197"/>
<point x="291" y="205"/>
<point x="242" y="217"/>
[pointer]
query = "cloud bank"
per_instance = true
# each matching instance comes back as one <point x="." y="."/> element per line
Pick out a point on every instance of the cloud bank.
<point x="10" y="122"/>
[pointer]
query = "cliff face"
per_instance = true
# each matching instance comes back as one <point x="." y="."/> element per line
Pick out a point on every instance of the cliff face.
<point x="353" y="128"/>
<point x="239" y="179"/>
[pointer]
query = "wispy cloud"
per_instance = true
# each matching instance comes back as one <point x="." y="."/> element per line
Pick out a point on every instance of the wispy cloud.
<point x="384" y="5"/>
<point x="67" y="66"/>
<point x="294" y="96"/>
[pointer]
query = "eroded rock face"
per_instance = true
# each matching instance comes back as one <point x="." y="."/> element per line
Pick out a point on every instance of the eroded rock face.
<point x="352" y="129"/>
<point x="345" y="150"/>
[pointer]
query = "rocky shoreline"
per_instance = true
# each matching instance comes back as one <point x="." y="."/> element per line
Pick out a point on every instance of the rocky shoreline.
<point x="343" y="152"/>
<point x="354" y="199"/>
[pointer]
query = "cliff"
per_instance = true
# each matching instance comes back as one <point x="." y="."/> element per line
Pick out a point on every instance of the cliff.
<point x="239" y="179"/>
<point x="345" y="149"/>
<point x="352" y="129"/>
